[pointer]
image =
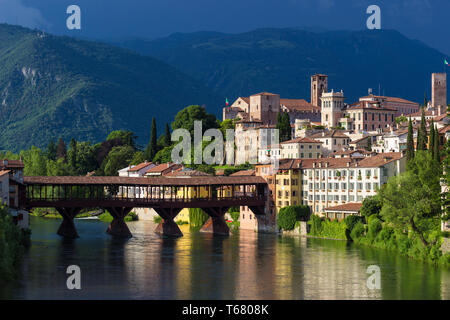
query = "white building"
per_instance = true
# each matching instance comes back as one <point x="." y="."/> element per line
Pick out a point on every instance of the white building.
<point x="330" y="182"/>
<point x="301" y="148"/>
<point x="332" y="141"/>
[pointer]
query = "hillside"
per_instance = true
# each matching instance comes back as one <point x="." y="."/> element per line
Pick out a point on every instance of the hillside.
<point x="59" y="86"/>
<point x="282" y="61"/>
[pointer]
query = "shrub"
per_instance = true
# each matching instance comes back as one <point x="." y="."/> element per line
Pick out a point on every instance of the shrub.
<point x="374" y="227"/>
<point x="316" y="225"/>
<point x="235" y="215"/>
<point x="291" y="214"/>
<point x="197" y="217"/>
<point x="357" y="231"/>
<point x="352" y="220"/>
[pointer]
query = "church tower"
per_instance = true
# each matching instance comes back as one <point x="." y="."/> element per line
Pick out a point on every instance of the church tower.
<point x="439" y="90"/>
<point x="332" y="108"/>
<point x="319" y="85"/>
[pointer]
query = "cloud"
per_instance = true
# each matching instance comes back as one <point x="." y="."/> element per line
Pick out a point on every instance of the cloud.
<point x="15" y="12"/>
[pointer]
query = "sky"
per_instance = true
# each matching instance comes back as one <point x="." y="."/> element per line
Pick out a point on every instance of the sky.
<point x="425" y="20"/>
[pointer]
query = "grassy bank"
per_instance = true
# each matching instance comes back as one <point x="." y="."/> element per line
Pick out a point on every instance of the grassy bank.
<point x="378" y="234"/>
<point x="13" y="242"/>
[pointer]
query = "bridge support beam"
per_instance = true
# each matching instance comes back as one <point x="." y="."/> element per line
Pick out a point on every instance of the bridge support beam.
<point x="118" y="227"/>
<point x="67" y="228"/>
<point x="168" y="227"/>
<point x="216" y="224"/>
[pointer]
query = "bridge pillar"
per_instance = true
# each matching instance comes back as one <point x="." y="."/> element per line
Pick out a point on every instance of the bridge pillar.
<point x="216" y="224"/>
<point x="168" y="227"/>
<point x="118" y="227"/>
<point x="67" y="228"/>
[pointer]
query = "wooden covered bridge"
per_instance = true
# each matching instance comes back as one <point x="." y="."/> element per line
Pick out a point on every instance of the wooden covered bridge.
<point x="167" y="196"/>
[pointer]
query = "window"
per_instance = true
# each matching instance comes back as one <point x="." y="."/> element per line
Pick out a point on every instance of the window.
<point x="344" y="186"/>
<point x="360" y="186"/>
<point x="351" y="198"/>
<point x="368" y="185"/>
<point x="344" y="198"/>
<point x="287" y="194"/>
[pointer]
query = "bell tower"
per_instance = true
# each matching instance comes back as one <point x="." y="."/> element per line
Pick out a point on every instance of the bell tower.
<point x="319" y="85"/>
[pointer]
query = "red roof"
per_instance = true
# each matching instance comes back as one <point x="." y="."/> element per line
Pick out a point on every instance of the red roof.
<point x="11" y="164"/>
<point x="301" y="140"/>
<point x="3" y="172"/>
<point x="250" y="172"/>
<point x="140" y="166"/>
<point x="351" y="206"/>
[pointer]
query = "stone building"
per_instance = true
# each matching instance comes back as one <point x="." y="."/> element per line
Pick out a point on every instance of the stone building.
<point x="319" y="85"/>
<point x="439" y="90"/>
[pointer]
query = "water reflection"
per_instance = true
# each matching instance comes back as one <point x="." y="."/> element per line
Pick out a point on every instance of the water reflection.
<point x="246" y="265"/>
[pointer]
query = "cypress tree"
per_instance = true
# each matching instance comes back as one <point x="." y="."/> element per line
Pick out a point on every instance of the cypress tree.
<point x="284" y="126"/>
<point x="167" y="136"/>
<point x="73" y="155"/>
<point x="410" y="142"/>
<point x="150" y="151"/>
<point x="287" y="126"/>
<point x="425" y="101"/>
<point x="52" y="150"/>
<point x="436" y="153"/>
<point x="62" y="150"/>
<point x="431" y="141"/>
<point x="422" y="136"/>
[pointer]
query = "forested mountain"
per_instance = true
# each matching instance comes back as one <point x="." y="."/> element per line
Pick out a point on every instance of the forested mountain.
<point x="54" y="87"/>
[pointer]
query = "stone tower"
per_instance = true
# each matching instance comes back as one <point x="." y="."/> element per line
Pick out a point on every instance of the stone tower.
<point x="332" y="108"/>
<point x="439" y="90"/>
<point x="319" y="85"/>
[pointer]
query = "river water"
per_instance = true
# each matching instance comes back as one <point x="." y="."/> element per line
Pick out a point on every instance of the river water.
<point x="246" y="265"/>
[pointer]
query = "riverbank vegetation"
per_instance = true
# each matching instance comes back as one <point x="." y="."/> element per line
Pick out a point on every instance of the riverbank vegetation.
<point x="13" y="242"/>
<point x="406" y="213"/>
<point x="290" y="215"/>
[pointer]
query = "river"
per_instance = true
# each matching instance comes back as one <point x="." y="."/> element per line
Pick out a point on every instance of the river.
<point x="246" y="265"/>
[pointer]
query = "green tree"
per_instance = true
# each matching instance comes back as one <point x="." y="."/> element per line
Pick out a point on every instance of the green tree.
<point x="410" y="143"/>
<point x="52" y="150"/>
<point x="35" y="162"/>
<point x="411" y="200"/>
<point x="422" y="137"/>
<point x="400" y="119"/>
<point x="72" y="156"/>
<point x="436" y="149"/>
<point x="150" y="151"/>
<point x="167" y="136"/>
<point x="288" y="216"/>
<point x="431" y="139"/>
<point x="62" y="149"/>
<point x="127" y="137"/>
<point x="186" y="117"/>
<point x="118" y="158"/>
<point x="284" y="126"/>
<point x="371" y="206"/>
<point x="425" y="100"/>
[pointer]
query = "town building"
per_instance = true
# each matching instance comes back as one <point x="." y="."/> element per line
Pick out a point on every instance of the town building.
<point x="332" y="141"/>
<point x="332" y="108"/>
<point x="439" y="90"/>
<point x="11" y="178"/>
<point x="370" y="116"/>
<point x="136" y="170"/>
<point x="329" y="182"/>
<point x="319" y="85"/>
<point x="301" y="148"/>
<point x="401" y="106"/>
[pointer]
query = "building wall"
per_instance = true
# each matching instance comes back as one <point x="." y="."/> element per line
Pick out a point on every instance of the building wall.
<point x="301" y="150"/>
<point x="371" y="119"/>
<point x="265" y="108"/>
<point x="4" y="189"/>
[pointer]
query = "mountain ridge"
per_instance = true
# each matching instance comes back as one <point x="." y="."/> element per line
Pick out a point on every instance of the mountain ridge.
<point x="68" y="87"/>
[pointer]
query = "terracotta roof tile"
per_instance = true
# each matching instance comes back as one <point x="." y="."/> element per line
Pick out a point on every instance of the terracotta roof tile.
<point x="351" y="206"/>
<point x="140" y="166"/>
<point x="301" y="140"/>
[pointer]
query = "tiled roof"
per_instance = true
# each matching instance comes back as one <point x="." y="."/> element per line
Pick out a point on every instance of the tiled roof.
<point x="139" y="166"/>
<point x="444" y="129"/>
<point x="3" y="172"/>
<point x="301" y="140"/>
<point x="372" y="105"/>
<point x="351" y="206"/>
<point x="11" y="164"/>
<point x="187" y="173"/>
<point x="329" y="134"/>
<point x="380" y="159"/>
<point x="163" y="167"/>
<point x="264" y="94"/>
<point x="141" y="181"/>
<point x="250" y="172"/>
<point x="299" y="105"/>
<point x="359" y="140"/>
<point x="389" y="99"/>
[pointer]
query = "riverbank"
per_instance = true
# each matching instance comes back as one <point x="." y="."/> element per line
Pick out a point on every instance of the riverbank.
<point x="379" y="235"/>
<point x="105" y="216"/>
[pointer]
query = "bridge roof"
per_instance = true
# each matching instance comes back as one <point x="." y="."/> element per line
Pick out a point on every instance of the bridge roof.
<point x="141" y="181"/>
